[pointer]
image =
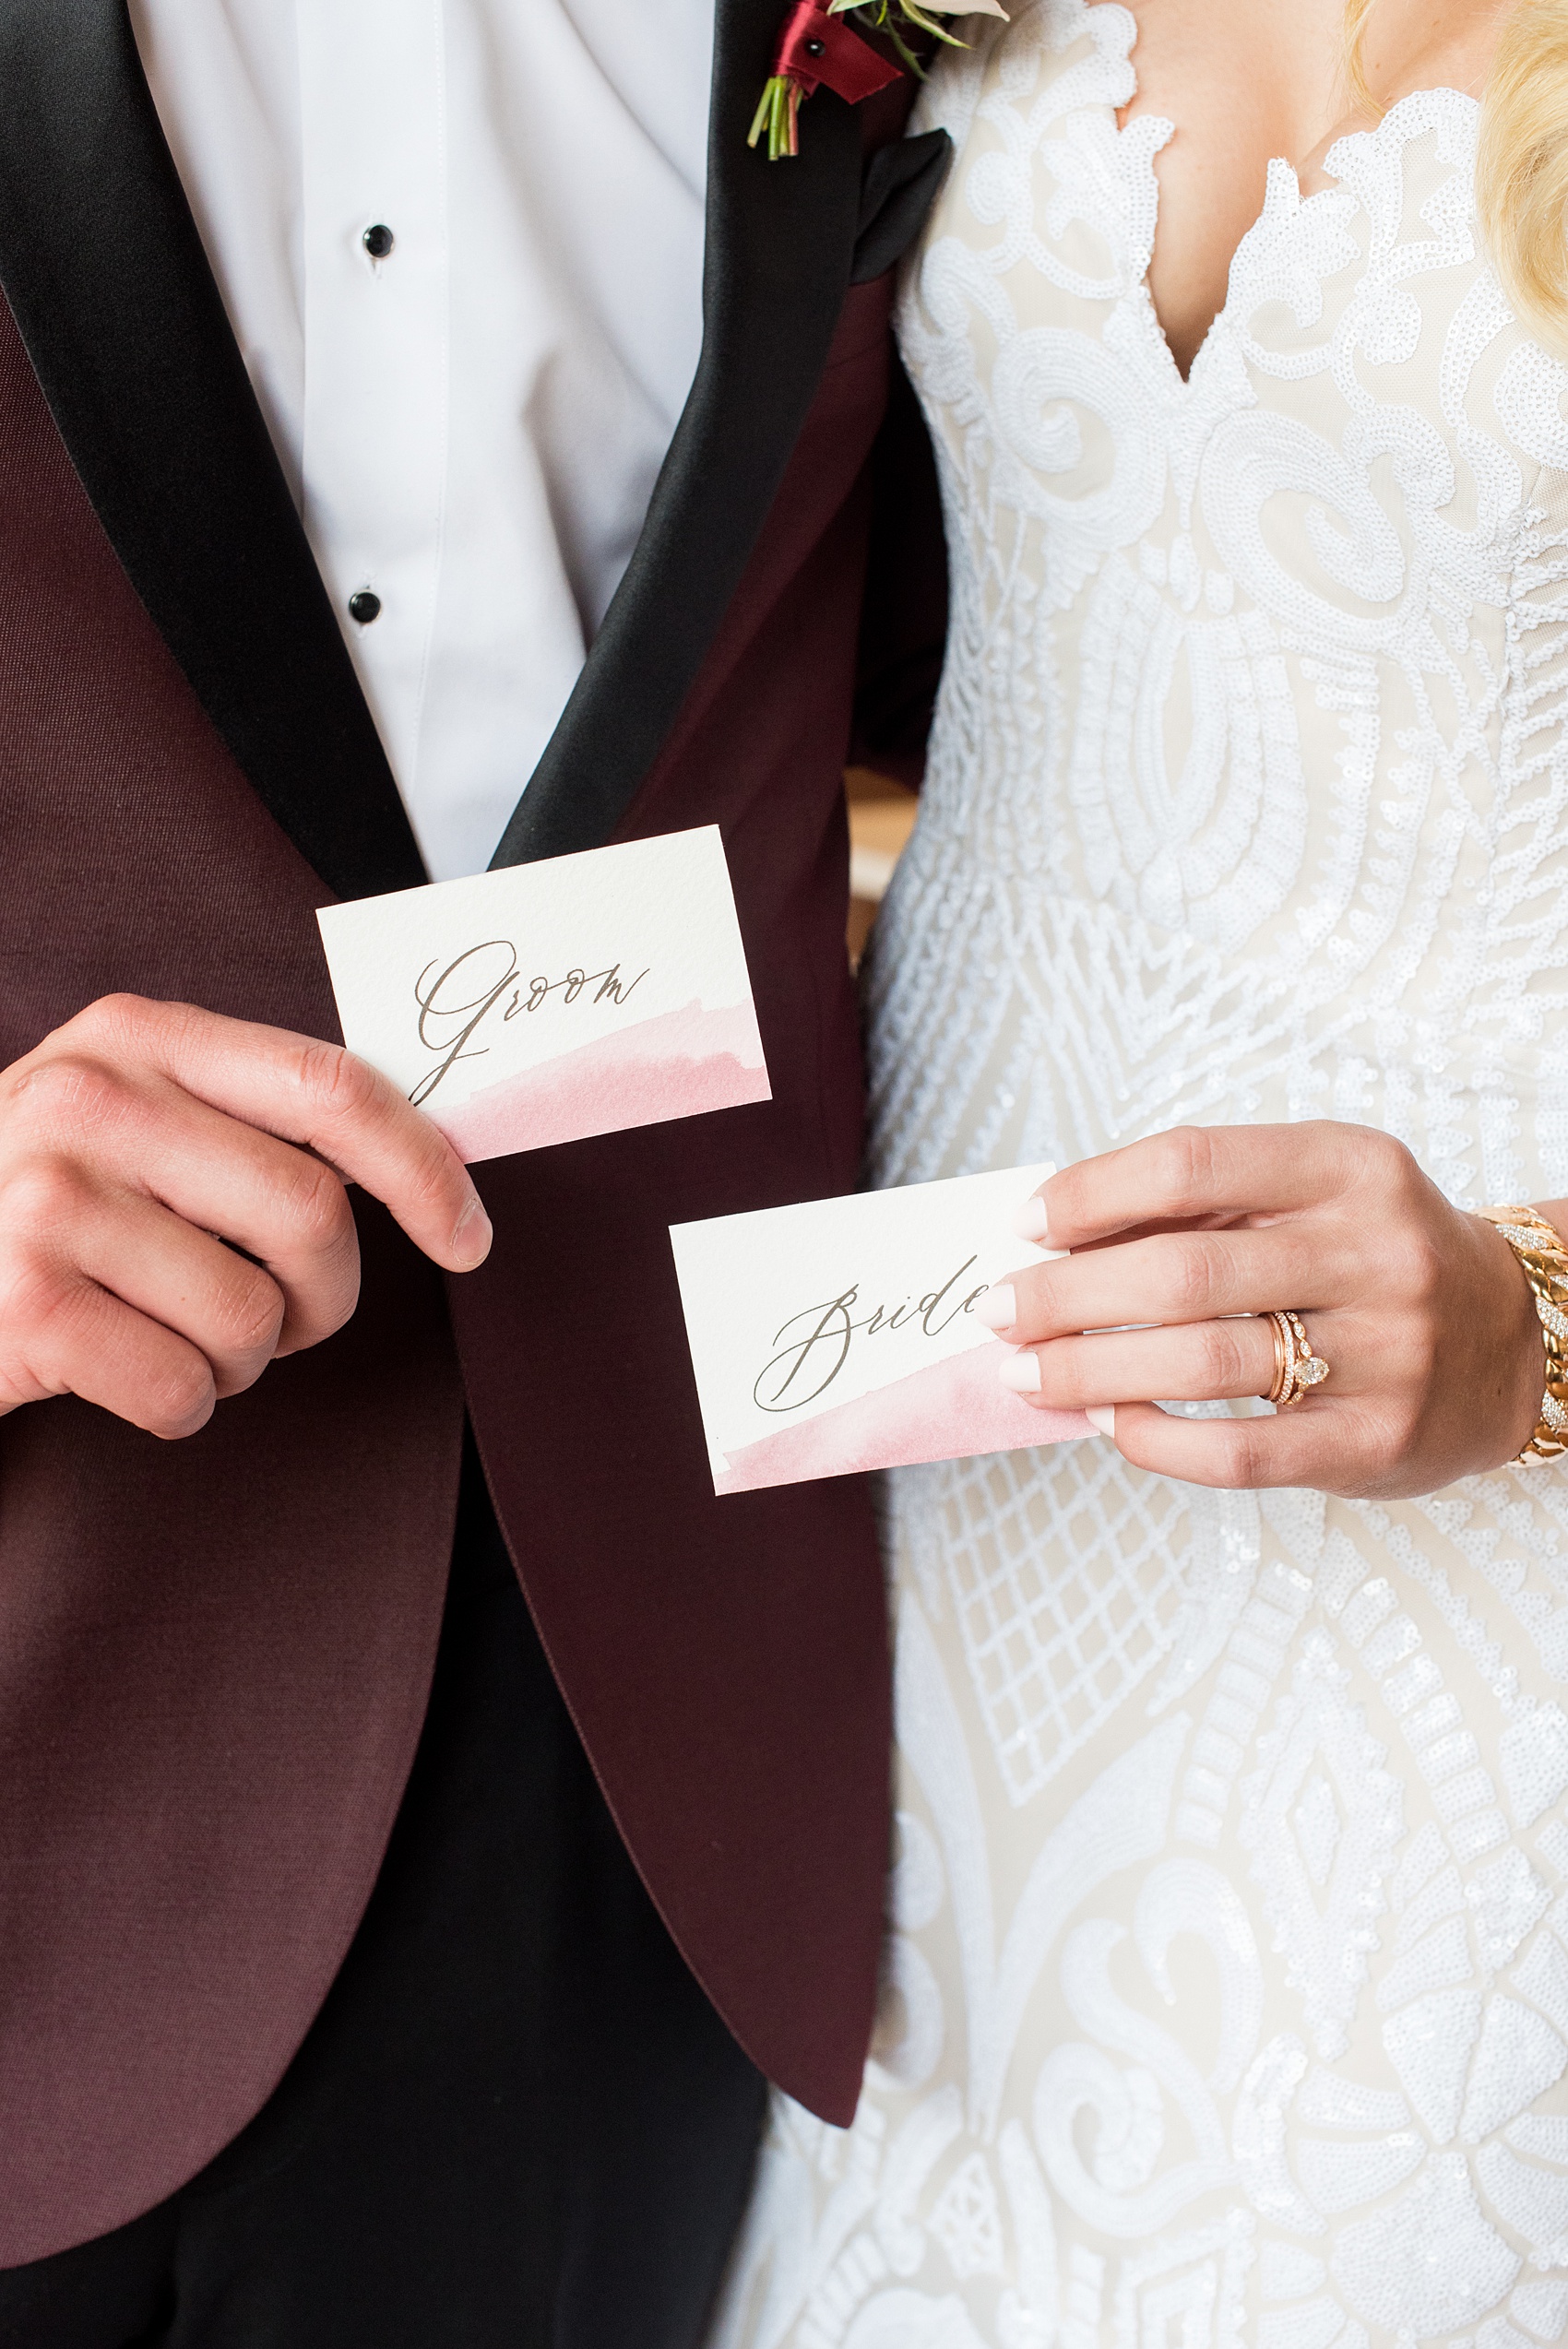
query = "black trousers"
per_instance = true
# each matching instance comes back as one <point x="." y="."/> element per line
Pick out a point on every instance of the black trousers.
<point x="517" y="2123"/>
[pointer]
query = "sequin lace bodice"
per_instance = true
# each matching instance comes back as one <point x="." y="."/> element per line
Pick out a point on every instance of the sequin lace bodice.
<point x="1228" y="1988"/>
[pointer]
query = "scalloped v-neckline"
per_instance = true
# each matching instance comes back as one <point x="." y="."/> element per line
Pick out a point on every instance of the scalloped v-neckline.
<point x="1173" y="130"/>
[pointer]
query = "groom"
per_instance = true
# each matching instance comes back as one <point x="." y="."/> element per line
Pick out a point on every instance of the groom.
<point x="332" y="2009"/>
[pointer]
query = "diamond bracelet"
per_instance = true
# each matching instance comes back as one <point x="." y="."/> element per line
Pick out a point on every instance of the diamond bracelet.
<point x="1543" y="1260"/>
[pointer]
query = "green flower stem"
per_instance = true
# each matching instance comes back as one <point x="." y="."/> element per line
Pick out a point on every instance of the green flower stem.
<point x="778" y="114"/>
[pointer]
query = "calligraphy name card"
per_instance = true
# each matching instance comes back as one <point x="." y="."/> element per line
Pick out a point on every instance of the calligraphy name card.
<point x="841" y="1334"/>
<point x="548" y="1002"/>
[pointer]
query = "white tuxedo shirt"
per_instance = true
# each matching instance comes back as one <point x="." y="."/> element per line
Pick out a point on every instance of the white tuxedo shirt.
<point x="472" y="424"/>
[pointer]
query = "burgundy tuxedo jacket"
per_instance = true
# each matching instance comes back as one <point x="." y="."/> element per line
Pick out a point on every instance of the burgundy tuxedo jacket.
<point x="215" y="1655"/>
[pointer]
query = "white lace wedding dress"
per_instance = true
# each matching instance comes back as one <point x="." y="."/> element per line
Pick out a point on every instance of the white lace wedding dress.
<point x="1228" y="1998"/>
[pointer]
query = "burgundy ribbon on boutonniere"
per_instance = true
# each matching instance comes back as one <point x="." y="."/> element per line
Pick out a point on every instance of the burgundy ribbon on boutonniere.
<point x="818" y="47"/>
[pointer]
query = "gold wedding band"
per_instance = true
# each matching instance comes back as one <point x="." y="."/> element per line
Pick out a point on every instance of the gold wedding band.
<point x="1284" y="1355"/>
<point x="1296" y="1367"/>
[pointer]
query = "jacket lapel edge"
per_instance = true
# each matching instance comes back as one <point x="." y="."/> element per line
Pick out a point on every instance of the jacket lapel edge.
<point x="780" y="245"/>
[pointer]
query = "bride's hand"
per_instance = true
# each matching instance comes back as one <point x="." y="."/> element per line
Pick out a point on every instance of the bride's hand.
<point x="1422" y="1312"/>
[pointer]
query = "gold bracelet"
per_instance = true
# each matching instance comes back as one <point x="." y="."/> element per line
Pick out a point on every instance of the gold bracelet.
<point x="1543" y="1260"/>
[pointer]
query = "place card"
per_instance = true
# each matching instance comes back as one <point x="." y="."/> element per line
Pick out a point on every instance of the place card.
<point x="548" y="1001"/>
<point x="841" y="1334"/>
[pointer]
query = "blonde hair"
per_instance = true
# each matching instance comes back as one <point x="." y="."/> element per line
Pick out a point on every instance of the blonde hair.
<point x="1522" y="163"/>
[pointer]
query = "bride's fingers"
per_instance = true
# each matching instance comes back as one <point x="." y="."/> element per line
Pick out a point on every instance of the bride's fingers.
<point x="1176" y="1276"/>
<point x="1338" y="1449"/>
<point x="1195" y="1171"/>
<point x="1200" y="1361"/>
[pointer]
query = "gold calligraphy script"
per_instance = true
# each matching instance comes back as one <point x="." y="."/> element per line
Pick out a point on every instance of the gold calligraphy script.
<point x="483" y="983"/>
<point x="827" y="1332"/>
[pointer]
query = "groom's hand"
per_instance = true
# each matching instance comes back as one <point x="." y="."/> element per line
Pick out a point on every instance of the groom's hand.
<point x="142" y="1147"/>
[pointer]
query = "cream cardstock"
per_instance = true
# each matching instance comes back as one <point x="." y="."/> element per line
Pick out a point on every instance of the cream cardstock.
<point x="548" y="1002"/>
<point x="841" y="1334"/>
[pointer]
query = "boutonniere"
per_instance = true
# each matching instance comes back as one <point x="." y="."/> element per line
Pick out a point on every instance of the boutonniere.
<point x="819" y="45"/>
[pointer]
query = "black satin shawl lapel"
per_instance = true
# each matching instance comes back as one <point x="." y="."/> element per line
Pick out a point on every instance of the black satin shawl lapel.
<point x="105" y="273"/>
<point x="780" y="246"/>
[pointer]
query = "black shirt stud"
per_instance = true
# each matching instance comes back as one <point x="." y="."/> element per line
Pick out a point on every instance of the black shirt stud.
<point x="365" y="605"/>
<point x="378" y="241"/>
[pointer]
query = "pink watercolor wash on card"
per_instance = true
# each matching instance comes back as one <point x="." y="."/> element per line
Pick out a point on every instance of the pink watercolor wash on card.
<point x="678" y="1065"/>
<point x="948" y="1411"/>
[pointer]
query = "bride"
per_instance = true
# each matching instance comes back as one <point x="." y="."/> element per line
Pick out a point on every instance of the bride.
<point x="1227" y="1985"/>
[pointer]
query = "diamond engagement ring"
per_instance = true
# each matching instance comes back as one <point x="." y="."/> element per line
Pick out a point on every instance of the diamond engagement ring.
<point x="1296" y="1367"/>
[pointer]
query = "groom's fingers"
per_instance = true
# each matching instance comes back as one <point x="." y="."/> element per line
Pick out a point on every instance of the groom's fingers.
<point x="302" y="1092"/>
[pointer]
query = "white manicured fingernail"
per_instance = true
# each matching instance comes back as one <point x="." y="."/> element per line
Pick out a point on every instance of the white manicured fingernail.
<point x="1030" y="1221"/>
<point x="1103" y="1416"/>
<point x="1020" y="1372"/>
<point x="998" y="1308"/>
